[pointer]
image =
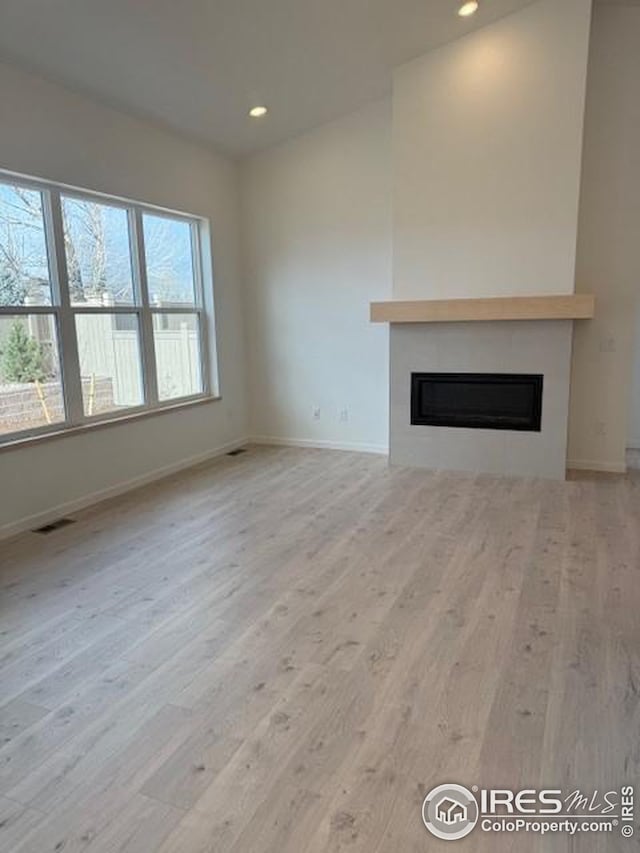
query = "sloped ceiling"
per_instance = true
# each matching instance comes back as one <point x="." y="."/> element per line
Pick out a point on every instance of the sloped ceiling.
<point x="198" y="65"/>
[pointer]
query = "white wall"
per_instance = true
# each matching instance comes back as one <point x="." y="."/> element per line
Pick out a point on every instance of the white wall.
<point x="487" y="136"/>
<point x="52" y="133"/>
<point x="609" y="246"/>
<point x="487" y="142"/>
<point x="487" y="139"/>
<point x="316" y="224"/>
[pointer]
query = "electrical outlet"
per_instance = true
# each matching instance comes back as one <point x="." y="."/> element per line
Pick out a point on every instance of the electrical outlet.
<point x="608" y="344"/>
<point x="600" y="428"/>
<point x="344" y="415"/>
<point x="316" y="413"/>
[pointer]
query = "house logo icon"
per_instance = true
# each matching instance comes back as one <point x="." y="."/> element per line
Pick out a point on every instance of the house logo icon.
<point x="450" y="812"/>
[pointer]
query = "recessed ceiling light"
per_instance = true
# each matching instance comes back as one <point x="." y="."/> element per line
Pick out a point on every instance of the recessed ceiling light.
<point x="258" y="112"/>
<point x="468" y="8"/>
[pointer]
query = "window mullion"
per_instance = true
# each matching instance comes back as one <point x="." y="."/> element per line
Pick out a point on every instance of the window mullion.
<point x="203" y="320"/>
<point x="146" y="317"/>
<point x="203" y="328"/>
<point x="71" y="378"/>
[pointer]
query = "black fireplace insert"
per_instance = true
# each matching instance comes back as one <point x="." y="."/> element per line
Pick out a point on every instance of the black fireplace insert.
<point x="477" y="400"/>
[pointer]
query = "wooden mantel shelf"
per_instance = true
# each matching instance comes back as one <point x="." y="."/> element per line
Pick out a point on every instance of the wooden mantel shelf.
<point x="577" y="306"/>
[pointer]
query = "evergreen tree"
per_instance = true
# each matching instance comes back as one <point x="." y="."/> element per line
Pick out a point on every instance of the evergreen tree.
<point x="22" y="356"/>
<point x="12" y="290"/>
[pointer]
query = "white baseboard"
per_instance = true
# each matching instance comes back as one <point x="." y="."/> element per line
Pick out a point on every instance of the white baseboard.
<point x="31" y="522"/>
<point x="597" y="465"/>
<point x="38" y="519"/>
<point x="355" y="447"/>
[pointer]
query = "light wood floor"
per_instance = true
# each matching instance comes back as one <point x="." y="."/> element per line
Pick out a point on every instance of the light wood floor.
<point x="283" y="651"/>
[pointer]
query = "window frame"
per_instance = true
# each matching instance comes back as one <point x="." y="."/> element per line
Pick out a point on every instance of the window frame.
<point x="64" y="312"/>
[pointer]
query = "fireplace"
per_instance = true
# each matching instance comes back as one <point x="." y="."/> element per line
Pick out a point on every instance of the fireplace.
<point x="443" y="376"/>
<point x="506" y="401"/>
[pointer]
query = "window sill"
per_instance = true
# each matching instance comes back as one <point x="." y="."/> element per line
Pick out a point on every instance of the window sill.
<point x="118" y="420"/>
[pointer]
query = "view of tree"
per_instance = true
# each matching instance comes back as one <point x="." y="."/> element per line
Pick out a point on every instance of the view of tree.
<point x="169" y="260"/>
<point x="97" y="249"/>
<point x="23" y="358"/>
<point x="12" y="290"/>
<point x="23" y="254"/>
<point x="96" y="244"/>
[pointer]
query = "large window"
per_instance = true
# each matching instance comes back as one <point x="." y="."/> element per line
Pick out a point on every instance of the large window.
<point x="101" y="309"/>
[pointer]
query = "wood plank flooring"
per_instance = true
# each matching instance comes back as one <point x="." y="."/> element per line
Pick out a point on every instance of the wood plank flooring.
<point x="281" y="652"/>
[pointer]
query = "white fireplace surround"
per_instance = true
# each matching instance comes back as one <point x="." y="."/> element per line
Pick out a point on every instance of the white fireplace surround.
<point x="533" y="346"/>
<point x="517" y="334"/>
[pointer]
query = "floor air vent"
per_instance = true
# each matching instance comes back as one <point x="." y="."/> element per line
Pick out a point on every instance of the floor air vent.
<point x="55" y="525"/>
<point x="237" y="452"/>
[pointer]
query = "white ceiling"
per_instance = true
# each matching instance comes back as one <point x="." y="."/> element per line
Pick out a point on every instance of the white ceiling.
<point x="198" y="65"/>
